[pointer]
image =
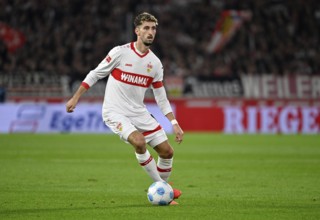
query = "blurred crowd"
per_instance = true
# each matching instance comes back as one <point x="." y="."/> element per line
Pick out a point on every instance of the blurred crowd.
<point x="70" y="37"/>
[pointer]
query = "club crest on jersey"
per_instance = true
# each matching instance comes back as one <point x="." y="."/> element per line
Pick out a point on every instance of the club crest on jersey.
<point x="149" y="67"/>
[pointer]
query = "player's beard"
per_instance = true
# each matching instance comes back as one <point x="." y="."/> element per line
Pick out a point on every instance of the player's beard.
<point x="148" y="44"/>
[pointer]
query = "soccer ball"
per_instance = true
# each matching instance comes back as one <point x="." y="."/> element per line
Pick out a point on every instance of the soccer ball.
<point x="160" y="193"/>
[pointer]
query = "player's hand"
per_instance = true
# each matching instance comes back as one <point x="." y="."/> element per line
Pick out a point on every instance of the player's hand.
<point x="179" y="133"/>
<point x="71" y="105"/>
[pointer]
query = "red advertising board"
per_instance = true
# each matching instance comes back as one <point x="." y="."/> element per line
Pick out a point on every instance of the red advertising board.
<point x="249" y="116"/>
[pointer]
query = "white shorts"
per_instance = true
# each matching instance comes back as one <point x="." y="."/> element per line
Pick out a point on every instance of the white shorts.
<point x="145" y="123"/>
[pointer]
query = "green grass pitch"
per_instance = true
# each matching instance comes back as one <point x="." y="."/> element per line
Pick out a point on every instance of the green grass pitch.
<point x="73" y="176"/>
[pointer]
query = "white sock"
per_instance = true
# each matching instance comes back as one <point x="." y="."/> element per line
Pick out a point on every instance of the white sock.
<point x="164" y="168"/>
<point x="149" y="165"/>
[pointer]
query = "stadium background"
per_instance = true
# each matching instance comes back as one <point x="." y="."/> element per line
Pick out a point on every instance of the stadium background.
<point x="230" y="66"/>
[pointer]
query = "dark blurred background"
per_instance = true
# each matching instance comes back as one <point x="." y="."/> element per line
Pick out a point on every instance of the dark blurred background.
<point x="68" y="38"/>
<point x="239" y="66"/>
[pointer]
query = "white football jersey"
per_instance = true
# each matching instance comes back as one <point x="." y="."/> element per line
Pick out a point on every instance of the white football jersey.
<point x="131" y="74"/>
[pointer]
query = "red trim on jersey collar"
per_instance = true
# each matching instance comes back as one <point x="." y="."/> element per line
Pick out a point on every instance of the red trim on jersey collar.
<point x="134" y="49"/>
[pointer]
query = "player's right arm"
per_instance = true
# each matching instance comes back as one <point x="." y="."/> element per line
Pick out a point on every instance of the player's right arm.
<point x="71" y="104"/>
<point x="111" y="61"/>
<point x="102" y="70"/>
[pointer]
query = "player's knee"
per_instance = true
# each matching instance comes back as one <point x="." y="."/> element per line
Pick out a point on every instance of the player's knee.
<point x="168" y="153"/>
<point x="140" y="149"/>
<point x="139" y="144"/>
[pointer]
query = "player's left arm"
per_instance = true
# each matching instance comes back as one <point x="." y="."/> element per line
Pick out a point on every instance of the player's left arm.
<point x="176" y="127"/>
<point x="164" y="104"/>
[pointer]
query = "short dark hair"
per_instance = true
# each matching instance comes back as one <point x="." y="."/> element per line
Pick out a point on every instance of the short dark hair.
<point x="145" y="16"/>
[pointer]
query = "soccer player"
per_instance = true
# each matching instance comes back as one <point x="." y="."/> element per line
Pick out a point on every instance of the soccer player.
<point x="132" y="69"/>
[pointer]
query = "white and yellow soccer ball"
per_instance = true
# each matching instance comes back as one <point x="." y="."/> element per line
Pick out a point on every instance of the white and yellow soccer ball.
<point x="160" y="193"/>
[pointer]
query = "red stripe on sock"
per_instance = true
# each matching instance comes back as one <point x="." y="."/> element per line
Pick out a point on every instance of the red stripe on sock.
<point x="147" y="161"/>
<point x="164" y="170"/>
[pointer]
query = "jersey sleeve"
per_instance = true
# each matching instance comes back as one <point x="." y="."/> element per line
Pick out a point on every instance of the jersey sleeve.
<point x="105" y="67"/>
<point x="158" y="77"/>
<point x="160" y="96"/>
<point x="159" y="92"/>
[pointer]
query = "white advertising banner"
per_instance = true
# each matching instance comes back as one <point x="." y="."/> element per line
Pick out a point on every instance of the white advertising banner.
<point x="53" y="118"/>
<point x="291" y="86"/>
